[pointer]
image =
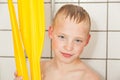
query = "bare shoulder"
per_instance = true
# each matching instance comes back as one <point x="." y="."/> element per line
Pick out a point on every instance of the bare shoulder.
<point x="44" y="63"/>
<point x="90" y="73"/>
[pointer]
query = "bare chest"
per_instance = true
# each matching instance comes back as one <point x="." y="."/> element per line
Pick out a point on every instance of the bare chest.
<point x="64" y="76"/>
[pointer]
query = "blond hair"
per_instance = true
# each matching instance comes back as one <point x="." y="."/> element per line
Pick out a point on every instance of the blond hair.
<point x="74" y="12"/>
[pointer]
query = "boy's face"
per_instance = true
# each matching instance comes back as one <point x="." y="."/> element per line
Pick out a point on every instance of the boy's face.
<point x="68" y="39"/>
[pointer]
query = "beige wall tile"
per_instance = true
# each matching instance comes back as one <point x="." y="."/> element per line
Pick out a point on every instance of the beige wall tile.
<point x="98" y="14"/>
<point x="96" y="48"/>
<point x="7" y="68"/>
<point x="114" y="44"/>
<point x="6" y="43"/>
<point x="113" y="70"/>
<point x="114" y="16"/>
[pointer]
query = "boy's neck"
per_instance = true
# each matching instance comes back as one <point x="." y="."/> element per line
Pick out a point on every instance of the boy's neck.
<point x="59" y="65"/>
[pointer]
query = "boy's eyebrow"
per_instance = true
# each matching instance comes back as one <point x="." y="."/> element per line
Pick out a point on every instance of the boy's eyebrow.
<point x="77" y="36"/>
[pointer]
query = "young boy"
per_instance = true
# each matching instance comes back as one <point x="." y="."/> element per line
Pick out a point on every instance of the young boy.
<point x="69" y="33"/>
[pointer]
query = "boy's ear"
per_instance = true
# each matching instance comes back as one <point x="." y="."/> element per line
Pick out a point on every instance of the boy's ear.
<point x="88" y="39"/>
<point x="50" y="30"/>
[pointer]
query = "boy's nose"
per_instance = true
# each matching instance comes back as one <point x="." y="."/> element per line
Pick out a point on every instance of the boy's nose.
<point x="68" y="46"/>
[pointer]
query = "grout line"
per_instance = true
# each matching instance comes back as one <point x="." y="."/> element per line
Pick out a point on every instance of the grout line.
<point x="52" y="8"/>
<point x="101" y="58"/>
<point x="113" y="30"/>
<point x="107" y="42"/>
<point x="16" y="2"/>
<point x="98" y="31"/>
<point x="46" y="57"/>
<point x="87" y="2"/>
<point x="113" y="59"/>
<point x="105" y="30"/>
<point x="3" y="2"/>
<point x="47" y="2"/>
<point x="80" y="58"/>
<point x="102" y="2"/>
<point x="6" y="56"/>
<point x="65" y="2"/>
<point x="90" y="31"/>
<point x="52" y="14"/>
<point x="113" y="1"/>
<point x="93" y="58"/>
<point x="78" y="2"/>
<point x="11" y="30"/>
<point x="5" y="30"/>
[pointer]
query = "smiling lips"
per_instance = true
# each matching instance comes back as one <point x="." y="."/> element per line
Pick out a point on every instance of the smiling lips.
<point x="66" y="55"/>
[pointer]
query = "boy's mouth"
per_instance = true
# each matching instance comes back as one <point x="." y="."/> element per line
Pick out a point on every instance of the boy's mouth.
<point x="67" y="55"/>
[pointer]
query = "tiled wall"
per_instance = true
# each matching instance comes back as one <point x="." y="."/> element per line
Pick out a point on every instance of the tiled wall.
<point x="103" y="52"/>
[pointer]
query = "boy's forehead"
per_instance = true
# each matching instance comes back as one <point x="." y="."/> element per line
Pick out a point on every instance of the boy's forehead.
<point x="62" y="19"/>
<point x="67" y="24"/>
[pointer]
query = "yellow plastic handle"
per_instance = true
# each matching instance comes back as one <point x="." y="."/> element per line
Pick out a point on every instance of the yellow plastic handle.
<point x="18" y="49"/>
<point x="37" y="36"/>
<point x="32" y="30"/>
<point x="24" y="21"/>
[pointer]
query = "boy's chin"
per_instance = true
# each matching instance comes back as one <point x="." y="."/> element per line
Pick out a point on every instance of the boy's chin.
<point x="67" y="60"/>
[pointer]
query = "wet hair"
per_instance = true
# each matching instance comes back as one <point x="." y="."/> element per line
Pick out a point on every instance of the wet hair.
<point x="73" y="12"/>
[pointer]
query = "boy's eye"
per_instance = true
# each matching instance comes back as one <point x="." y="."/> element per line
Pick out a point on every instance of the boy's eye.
<point x="77" y="40"/>
<point x="62" y="37"/>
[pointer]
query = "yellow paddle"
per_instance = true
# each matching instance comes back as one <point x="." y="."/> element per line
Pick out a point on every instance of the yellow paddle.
<point x="32" y="27"/>
<point x="24" y="20"/>
<point x="18" y="49"/>
<point x="37" y="36"/>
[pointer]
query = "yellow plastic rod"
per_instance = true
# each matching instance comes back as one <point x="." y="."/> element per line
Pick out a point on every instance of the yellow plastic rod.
<point x="32" y="30"/>
<point x="37" y="28"/>
<point x="18" y="49"/>
<point x="24" y="20"/>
